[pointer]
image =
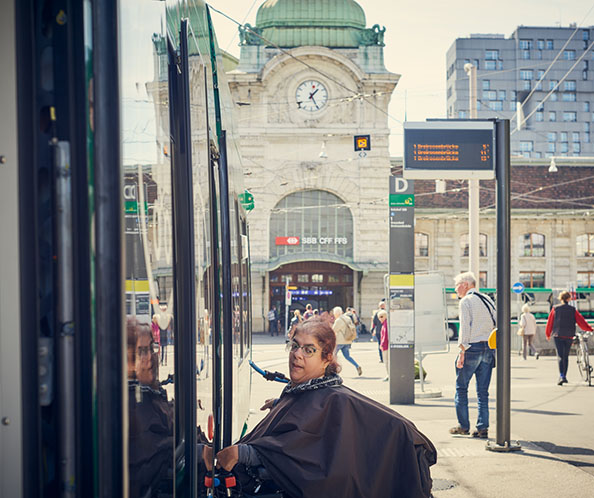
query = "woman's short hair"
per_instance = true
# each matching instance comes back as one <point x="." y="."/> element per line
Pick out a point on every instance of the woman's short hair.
<point x="382" y="313"/>
<point x="526" y="308"/>
<point x="564" y="296"/>
<point x="325" y="337"/>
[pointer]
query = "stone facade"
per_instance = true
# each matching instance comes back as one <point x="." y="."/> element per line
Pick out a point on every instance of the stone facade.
<point x="555" y="205"/>
<point x="282" y="144"/>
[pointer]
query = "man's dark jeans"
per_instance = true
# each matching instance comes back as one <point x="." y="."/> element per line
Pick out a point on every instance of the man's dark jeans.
<point x="479" y="360"/>
<point x="563" y="347"/>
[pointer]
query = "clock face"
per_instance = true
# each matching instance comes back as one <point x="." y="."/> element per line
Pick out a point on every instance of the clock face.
<point x="311" y="96"/>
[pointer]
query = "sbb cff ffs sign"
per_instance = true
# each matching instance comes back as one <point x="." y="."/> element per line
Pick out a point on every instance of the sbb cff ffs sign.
<point x="287" y="241"/>
<point x="461" y="150"/>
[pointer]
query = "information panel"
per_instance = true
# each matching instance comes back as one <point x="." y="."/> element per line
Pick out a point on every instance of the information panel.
<point x="449" y="149"/>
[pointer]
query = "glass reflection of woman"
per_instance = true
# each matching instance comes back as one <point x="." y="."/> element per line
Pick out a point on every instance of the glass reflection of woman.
<point x="150" y="417"/>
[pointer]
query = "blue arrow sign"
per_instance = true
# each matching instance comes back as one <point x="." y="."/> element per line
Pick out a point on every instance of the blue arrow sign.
<point x="518" y="287"/>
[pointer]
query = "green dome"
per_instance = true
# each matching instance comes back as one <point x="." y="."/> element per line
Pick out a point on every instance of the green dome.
<point x="295" y="23"/>
<point x="310" y="13"/>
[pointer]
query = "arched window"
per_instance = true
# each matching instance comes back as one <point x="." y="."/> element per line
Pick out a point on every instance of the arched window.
<point x="312" y="222"/>
<point x="421" y="244"/>
<point x="585" y="245"/>
<point x="464" y="246"/>
<point x="533" y="245"/>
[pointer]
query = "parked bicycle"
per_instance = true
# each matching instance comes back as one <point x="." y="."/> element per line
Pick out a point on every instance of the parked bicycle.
<point x="583" y="360"/>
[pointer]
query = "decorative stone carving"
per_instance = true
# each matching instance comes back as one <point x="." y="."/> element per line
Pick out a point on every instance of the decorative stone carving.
<point x="372" y="36"/>
<point x="250" y="35"/>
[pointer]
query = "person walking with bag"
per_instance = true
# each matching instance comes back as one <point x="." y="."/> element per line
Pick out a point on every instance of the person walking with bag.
<point x="477" y="320"/>
<point x="346" y="332"/>
<point x="561" y="326"/>
<point x="527" y="330"/>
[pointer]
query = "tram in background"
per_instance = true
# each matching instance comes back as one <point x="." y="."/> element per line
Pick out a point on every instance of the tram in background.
<point x="541" y="301"/>
<point x="125" y="292"/>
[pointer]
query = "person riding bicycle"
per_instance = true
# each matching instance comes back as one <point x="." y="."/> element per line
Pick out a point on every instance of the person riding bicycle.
<point x="317" y="437"/>
<point x="561" y="325"/>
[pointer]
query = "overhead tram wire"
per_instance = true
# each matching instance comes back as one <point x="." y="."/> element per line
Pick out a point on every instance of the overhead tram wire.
<point x="556" y="86"/>
<point x="282" y="50"/>
<point x="554" y="60"/>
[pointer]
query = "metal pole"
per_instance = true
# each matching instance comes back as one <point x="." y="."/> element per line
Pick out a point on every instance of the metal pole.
<point x="287" y="304"/>
<point x="65" y="318"/>
<point x="503" y="171"/>
<point x="473" y="187"/>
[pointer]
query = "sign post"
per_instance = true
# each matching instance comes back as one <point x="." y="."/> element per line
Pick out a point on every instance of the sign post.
<point x="465" y="150"/>
<point x="401" y="318"/>
<point x="287" y="305"/>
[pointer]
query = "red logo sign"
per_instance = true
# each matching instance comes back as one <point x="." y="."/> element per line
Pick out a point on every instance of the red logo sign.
<point x="287" y="241"/>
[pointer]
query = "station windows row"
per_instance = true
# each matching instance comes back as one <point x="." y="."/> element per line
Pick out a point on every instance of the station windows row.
<point x="537" y="279"/>
<point x="531" y="245"/>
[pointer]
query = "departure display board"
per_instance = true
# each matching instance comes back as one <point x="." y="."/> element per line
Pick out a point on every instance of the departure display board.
<point x="449" y="149"/>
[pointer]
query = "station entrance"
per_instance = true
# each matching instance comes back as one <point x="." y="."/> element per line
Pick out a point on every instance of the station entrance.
<point x="319" y="283"/>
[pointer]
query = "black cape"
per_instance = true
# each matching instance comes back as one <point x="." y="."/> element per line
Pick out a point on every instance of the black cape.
<point x="335" y="442"/>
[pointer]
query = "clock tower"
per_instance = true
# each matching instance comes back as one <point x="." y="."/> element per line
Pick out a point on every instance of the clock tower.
<point x="311" y="78"/>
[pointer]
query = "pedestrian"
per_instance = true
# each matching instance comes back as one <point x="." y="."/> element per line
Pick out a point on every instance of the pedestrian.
<point x="164" y="321"/>
<point x="346" y="332"/>
<point x="308" y="311"/>
<point x="156" y="331"/>
<point x="477" y="320"/>
<point x="561" y="325"/>
<point x="355" y="318"/>
<point x="376" y="327"/>
<point x="382" y="316"/>
<point x="527" y="330"/>
<point x="296" y="320"/>
<point x="272" y="321"/>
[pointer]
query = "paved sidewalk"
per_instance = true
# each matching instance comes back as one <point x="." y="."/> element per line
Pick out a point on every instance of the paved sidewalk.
<point x="465" y="468"/>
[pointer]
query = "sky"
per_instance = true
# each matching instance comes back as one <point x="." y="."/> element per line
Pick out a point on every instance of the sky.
<point x="418" y="35"/>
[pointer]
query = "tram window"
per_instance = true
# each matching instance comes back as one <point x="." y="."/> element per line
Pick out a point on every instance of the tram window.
<point x="317" y="277"/>
<point x="333" y="279"/>
<point x="347" y="278"/>
<point x="273" y="278"/>
<point x="302" y="277"/>
<point x="148" y="236"/>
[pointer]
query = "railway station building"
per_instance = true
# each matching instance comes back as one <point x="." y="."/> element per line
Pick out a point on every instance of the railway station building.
<point x="308" y="82"/>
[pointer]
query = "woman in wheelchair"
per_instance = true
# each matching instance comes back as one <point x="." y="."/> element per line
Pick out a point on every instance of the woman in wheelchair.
<point x="324" y="439"/>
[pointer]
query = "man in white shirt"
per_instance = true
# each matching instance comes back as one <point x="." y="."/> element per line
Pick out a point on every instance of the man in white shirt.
<point x="477" y="320"/>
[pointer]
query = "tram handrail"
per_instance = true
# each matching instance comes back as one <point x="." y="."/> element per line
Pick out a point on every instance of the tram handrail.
<point x="272" y="376"/>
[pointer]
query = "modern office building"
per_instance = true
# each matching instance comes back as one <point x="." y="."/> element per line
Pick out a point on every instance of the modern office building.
<point x="546" y="72"/>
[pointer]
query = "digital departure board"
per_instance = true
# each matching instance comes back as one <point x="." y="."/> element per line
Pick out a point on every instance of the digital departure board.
<point x="449" y="149"/>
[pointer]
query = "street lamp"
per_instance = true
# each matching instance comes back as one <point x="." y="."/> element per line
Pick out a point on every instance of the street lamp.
<point x="553" y="166"/>
<point x="569" y="159"/>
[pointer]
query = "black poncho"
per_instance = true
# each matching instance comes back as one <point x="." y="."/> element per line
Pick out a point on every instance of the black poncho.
<point x="334" y="442"/>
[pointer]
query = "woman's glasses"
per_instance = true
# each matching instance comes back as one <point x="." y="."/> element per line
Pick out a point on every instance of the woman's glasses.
<point x="308" y="349"/>
<point x="146" y="350"/>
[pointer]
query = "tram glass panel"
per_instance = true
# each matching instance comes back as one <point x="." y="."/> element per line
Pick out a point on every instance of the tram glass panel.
<point x="148" y="237"/>
<point x="202" y="116"/>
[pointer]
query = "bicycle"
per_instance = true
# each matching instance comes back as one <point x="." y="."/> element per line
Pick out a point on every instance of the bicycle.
<point x="583" y="360"/>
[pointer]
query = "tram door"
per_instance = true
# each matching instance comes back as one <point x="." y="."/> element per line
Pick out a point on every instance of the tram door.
<point x="321" y="284"/>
